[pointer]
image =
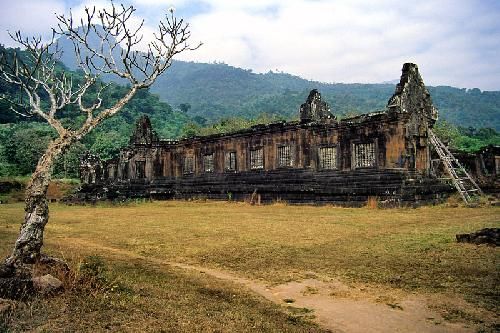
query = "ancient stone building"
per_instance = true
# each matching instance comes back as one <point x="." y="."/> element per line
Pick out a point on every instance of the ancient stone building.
<point x="383" y="155"/>
<point x="484" y="165"/>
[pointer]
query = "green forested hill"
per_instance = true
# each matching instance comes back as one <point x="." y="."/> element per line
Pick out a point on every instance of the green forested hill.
<point x="468" y="108"/>
<point x="216" y="91"/>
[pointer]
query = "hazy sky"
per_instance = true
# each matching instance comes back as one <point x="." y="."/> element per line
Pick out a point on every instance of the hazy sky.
<point x="454" y="42"/>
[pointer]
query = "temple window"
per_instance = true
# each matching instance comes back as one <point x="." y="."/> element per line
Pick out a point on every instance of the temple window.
<point x="140" y="169"/>
<point x="257" y="159"/>
<point x="208" y="163"/>
<point x="188" y="165"/>
<point x="364" y="155"/>
<point x="230" y="161"/>
<point x="327" y="158"/>
<point x="285" y="158"/>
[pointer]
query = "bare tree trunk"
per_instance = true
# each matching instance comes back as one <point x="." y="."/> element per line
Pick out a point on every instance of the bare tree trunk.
<point x="38" y="79"/>
<point x="30" y="239"/>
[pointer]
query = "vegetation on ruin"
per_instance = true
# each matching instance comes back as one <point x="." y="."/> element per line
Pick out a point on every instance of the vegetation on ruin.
<point x="393" y="251"/>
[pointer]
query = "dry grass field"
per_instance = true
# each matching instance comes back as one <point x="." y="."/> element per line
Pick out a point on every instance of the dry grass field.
<point x="392" y="252"/>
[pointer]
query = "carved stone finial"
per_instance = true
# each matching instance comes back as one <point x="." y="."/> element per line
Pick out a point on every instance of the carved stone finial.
<point x="314" y="109"/>
<point x="411" y="95"/>
<point x="143" y="133"/>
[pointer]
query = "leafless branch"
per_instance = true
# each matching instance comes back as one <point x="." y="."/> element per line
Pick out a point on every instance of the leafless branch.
<point x="104" y="42"/>
<point x="115" y="52"/>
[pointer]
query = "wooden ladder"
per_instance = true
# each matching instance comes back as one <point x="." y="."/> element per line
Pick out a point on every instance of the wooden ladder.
<point x="464" y="183"/>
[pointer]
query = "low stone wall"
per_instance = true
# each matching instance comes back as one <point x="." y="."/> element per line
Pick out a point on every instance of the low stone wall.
<point x="295" y="186"/>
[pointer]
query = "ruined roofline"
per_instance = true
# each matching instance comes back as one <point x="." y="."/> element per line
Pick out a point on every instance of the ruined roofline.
<point x="245" y="131"/>
<point x="363" y="117"/>
<point x="263" y="128"/>
<point x="258" y="128"/>
<point x="359" y="119"/>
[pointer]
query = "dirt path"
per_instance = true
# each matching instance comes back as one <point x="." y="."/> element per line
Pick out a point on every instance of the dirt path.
<point x="335" y="305"/>
<point x="347" y="312"/>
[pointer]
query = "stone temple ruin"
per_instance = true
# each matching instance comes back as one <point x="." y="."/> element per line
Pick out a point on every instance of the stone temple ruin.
<point x="383" y="156"/>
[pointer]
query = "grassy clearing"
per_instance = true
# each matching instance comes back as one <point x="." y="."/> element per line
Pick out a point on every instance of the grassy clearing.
<point x="156" y="299"/>
<point x="133" y="295"/>
<point x="409" y="249"/>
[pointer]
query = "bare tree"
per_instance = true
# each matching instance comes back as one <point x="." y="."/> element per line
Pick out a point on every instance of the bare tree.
<point x="46" y="91"/>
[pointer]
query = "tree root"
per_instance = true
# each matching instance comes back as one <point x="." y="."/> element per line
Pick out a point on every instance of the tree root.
<point x="54" y="263"/>
<point x="15" y="282"/>
<point x="16" y="279"/>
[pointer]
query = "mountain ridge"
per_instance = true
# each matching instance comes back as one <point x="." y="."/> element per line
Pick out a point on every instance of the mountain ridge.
<point x="215" y="91"/>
